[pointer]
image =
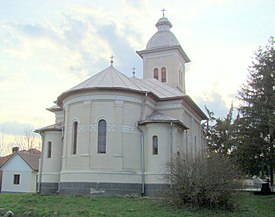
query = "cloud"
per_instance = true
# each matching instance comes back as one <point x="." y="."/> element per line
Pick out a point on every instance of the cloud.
<point x="41" y="60"/>
<point x="215" y="103"/>
<point x="14" y="127"/>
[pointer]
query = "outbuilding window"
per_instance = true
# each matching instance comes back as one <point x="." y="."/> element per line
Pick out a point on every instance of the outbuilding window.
<point x="102" y="132"/>
<point x="49" y="153"/>
<point x="16" y="179"/>
<point x="74" y="139"/>
<point x="155" y="145"/>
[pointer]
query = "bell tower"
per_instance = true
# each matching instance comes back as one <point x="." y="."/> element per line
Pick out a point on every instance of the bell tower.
<point x="164" y="59"/>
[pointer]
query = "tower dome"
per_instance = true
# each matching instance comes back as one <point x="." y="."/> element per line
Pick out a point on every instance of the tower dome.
<point x="163" y="37"/>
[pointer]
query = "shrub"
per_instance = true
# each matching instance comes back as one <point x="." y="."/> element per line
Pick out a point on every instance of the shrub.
<point x="202" y="181"/>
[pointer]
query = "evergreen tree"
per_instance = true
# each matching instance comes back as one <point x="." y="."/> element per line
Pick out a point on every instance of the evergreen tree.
<point x="219" y="136"/>
<point x="255" y="124"/>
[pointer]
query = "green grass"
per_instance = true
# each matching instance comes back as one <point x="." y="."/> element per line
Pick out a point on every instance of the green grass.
<point x="250" y="205"/>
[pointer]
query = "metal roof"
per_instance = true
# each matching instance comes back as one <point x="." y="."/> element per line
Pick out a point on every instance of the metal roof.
<point x="157" y="117"/>
<point x="53" y="127"/>
<point x="111" y="78"/>
<point x="163" y="37"/>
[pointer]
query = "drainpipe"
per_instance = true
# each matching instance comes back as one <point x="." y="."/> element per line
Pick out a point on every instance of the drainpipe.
<point x="142" y="147"/>
<point x="171" y="142"/>
<point x="61" y="151"/>
<point x="41" y="164"/>
<point x="142" y="161"/>
<point x="171" y="151"/>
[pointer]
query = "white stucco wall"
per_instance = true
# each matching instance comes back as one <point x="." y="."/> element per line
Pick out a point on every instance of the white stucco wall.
<point x="121" y="111"/>
<point x="122" y="160"/>
<point x="51" y="166"/>
<point x="172" y="61"/>
<point x="17" y="165"/>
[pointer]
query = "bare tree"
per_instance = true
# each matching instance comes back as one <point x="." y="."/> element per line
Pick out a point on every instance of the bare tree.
<point x="28" y="140"/>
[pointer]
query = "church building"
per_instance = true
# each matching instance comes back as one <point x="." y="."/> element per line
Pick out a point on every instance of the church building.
<point x="115" y="135"/>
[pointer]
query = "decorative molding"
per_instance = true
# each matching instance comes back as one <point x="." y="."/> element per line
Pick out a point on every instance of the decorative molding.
<point x="127" y="129"/>
<point x="102" y="97"/>
<point x="111" y="127"/>
<point x="84" y="155"/>
<point x="93" y="127"/>
<point x="119" y="103"/>
<point x="169" y="106"/>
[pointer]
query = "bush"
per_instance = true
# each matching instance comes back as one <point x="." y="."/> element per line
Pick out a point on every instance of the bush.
<point x="203" y="182"/>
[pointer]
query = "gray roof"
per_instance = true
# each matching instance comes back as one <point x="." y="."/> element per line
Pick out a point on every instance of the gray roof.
<point x="157" y="117"/>
<point x="53" y="127"/>
<point x="31" y="159"/>
<point x="161" y="90"/>
<point x="54" y="108"/>
<point x="111" y="78"/>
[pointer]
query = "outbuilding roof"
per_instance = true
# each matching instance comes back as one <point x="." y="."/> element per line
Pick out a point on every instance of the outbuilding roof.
<point x="31" y="159"/>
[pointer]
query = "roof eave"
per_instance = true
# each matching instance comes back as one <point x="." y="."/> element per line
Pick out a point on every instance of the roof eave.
<point x="177" y="122"/>
<point x="164" y="48"/>
<point x="64" y="95"/>
<point x="195" y="107"/>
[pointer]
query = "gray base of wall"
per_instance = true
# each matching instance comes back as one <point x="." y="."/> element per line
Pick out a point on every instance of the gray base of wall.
<point x="103" y="189"/>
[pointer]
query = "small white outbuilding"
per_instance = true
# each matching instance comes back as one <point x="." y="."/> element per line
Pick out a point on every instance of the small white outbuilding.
<point x="19" y="173"/>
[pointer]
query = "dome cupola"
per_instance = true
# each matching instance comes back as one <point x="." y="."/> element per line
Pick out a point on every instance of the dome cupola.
<point x="163" y="37"/>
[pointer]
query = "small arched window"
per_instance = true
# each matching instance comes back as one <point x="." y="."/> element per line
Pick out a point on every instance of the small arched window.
<point x="180" y="77"/>
<point x="102" y="131"/>
<point x="155" y="145"/>
<point x="49" y="153"/>
<point x="74" y="139"/>
<point x="156" y="73"/>
<point x="163" y="74"/>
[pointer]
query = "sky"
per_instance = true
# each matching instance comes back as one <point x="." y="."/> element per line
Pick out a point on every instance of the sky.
<point x="47" y="47"/>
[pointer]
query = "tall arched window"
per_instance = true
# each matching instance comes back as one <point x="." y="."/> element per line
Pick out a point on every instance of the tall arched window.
<point x="74" y="140"/>
<point x="163" y="74"/>
<point x="180" y="77"/>
<point x="49" y="153"/>
<point x="102" y="131"/>
<point x="155" y="145"/>
<point x="156" y="73"/>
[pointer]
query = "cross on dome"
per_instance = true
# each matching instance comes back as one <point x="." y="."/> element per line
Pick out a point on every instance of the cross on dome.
<point x="112" y="59"/>
<point x="163" y="10"/>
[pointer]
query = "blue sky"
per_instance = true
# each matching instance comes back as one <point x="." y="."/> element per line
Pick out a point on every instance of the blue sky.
<point x="46" y="47"/>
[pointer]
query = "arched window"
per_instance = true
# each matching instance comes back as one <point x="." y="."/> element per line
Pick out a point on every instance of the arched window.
<point x="163" y="74"/>
<point x="156" y="73"/>
<point x="155" y="145"/>
<point x="49" y="153"/>
<point x="74" y="142"/>
<point x="180" y="77"/>
<point x="102" y="130"/>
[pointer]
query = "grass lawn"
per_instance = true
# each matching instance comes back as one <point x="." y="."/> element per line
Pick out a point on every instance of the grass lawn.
<point x="250" y="206"/>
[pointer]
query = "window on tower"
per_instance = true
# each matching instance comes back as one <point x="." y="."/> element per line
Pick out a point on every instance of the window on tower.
<point x="156" y="73"/>
<point x="180" y="77"/>
<point x="163" y="74"/>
